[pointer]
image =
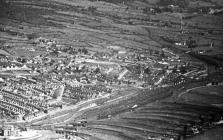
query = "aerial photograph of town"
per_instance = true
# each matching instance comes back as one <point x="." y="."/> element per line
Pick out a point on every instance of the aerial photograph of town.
<point x="111" y="69"/>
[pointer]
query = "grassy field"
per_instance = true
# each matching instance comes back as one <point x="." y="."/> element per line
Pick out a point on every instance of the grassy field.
<point x="82" y="22"/>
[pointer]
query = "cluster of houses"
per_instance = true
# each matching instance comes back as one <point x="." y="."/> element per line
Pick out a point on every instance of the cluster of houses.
<point x="82" y="75"/>
<point x="26" y="100"/>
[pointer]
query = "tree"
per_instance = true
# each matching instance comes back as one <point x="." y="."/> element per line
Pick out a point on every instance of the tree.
<point x="85" y="51"/>
<point x="147" y="71"/>
<point x="92" y="9"/>
<point x="31" y="36"/>
<point x="97" y="70"/>
<point x="24" y="60"/>
<point x="79" y="50"/>
<point x="162" y="55"/>
<point x="191" y="43"/>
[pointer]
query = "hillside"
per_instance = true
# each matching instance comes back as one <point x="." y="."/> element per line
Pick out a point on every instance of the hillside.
<point x="100" y="23"/>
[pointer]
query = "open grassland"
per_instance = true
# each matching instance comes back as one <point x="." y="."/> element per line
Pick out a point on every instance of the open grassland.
<point x="83" y="23"/>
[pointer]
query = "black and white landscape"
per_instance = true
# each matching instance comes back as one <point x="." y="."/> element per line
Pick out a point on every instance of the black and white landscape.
<point x="111" y="69"/>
